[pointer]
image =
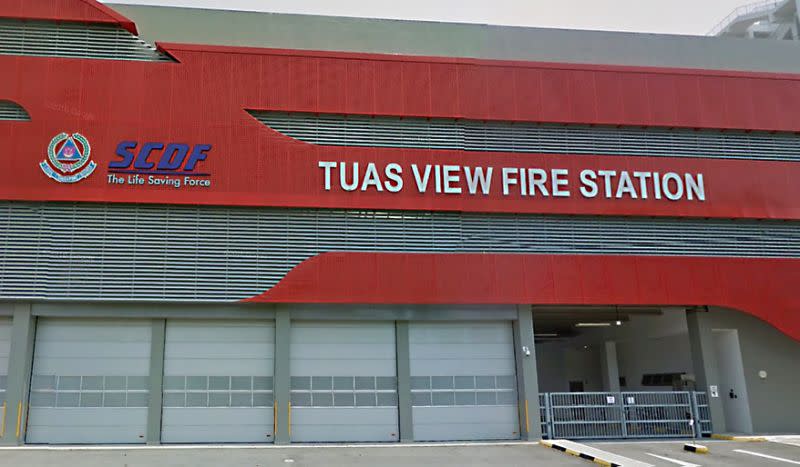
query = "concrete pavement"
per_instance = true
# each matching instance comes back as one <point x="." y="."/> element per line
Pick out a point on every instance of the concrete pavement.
<point x="654" y="453"/>
<point x="494" y="455"/>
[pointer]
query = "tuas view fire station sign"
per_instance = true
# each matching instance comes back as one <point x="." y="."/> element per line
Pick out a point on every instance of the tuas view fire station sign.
<point x="512" y="181"/>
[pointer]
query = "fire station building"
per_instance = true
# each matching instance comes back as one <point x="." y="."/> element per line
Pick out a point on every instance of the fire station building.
<point x="237" y="227"/>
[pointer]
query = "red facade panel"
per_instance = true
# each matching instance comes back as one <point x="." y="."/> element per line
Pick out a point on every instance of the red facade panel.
<point x="764" y="288"/>
<point x="203" y="98"/>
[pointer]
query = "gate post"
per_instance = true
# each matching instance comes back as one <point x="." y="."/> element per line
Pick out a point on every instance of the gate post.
<point x="548" y="415"/>
<point x="695" y="414"/>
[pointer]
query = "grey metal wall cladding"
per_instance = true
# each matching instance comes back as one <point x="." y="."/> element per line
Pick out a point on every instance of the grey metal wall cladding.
<point x="496" y="136"/>
<point x="74" y="40"/>
<point x="154" y="252"/>
<point x="13" y="111"/>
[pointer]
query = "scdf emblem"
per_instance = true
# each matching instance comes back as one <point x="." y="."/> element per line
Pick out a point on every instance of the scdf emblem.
<point x="68" y="158"/>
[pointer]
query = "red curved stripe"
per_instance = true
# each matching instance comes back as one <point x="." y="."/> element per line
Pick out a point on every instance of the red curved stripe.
<point x="765" y="288"/>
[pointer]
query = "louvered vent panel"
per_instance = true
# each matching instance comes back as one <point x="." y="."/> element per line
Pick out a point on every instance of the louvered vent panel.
<point x="74" y="40"/>
<point x="175" y="253"/>
<point x="494" y="136"/>
<point x="13" y="111"/>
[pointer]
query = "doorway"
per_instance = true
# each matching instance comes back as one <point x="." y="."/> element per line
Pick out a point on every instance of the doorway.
<point x="732" y="385"/>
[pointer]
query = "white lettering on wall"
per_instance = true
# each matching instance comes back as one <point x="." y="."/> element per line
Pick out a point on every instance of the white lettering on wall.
<point x="525" y="182"/>
<point x="476" y="177"/>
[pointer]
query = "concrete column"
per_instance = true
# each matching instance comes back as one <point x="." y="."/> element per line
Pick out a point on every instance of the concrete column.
<point x="406" y="414"/>
<point x="608" y="355"/>
<point x="281" y="381"/>
<point x="20" y="363"/>
<point x="527" y="375"/>
<point x="704" y="361"/>
<point x="157" y="343"/>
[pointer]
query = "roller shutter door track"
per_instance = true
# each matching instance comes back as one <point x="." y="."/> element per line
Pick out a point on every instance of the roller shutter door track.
<point x="218" y="382"/>
<point x="343" y="382"/>
<point x="5" y="347"/>
<point x="463" y="381"/>
<point x="90" y="382"/>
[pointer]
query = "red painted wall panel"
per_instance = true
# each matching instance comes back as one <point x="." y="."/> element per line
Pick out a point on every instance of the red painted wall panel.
<point x="764" y="288"/>
<point x="203" y="100"/>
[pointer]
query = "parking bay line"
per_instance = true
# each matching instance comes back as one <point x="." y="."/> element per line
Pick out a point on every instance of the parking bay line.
<point x="674" y="461"/>
<point x="767" y="456"/>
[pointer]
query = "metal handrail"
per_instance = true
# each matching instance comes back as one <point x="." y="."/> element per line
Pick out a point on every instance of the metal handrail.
<point x="749" y="9"/>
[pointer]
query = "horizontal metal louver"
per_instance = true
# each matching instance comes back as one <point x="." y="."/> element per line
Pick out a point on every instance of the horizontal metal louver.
<point x="13" y="111"/>
<point x="66" y="251"/>
<point x="535" y="138"/>
<point x="74" y="40"/>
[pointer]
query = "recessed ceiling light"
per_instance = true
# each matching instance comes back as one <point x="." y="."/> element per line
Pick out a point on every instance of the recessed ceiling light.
<point x="592" y="325"/>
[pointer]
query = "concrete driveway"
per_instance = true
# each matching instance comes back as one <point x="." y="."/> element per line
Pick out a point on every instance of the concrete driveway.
<point x="494" y="455"/>
<point x="667" y="453"/>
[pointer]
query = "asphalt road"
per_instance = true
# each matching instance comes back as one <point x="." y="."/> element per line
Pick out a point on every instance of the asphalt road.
<point x="723" y="453"/>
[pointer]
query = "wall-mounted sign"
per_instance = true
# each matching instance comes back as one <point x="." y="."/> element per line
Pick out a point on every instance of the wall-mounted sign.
<point x="68" y="158"/>
<point x="512" y="181"/>
<point x="159" y="164"/>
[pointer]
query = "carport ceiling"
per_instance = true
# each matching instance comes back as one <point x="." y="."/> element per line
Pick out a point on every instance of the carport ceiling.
<point x="561" y="321"/>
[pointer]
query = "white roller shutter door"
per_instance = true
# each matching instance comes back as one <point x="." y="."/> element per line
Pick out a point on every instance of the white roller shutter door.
<point x="218" y="384"/>
<point x="463" y="381"/>
<point x="343" y="382"/>
<point x="90" y="381"/>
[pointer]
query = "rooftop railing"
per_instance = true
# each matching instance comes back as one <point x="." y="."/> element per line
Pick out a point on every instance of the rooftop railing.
<point x="745" y="10"/>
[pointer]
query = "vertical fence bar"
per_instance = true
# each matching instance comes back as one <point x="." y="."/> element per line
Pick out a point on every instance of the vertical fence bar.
<point x="623" y="416"/>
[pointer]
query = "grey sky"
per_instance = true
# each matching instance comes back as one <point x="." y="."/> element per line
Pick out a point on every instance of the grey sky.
<point x="658" y="16"/>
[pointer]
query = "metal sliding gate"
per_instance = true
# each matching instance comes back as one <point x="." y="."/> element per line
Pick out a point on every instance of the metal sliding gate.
<point x="597" y="415"/>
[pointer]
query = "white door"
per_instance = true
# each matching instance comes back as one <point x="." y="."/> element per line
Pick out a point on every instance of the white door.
<point x="218" y="382"/>
<point x="463" y="381"/>
<point x="732" y="385"/>
<point x="90" y="381"/>
<point x="5" y="346"/>
<point x="343" y="382"/>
